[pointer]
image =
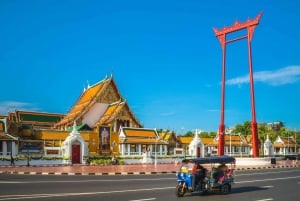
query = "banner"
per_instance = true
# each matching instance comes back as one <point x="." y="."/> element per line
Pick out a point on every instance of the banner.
<point x="104" y="136"/>
<point x="3" y="128"/>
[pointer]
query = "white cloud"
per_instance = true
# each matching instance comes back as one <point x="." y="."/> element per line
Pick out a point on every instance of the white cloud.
<point x="213" y="110"/>
<point x="10" y="106"/>
<point x="286" y="75"/>
<point x="167" y="114"/>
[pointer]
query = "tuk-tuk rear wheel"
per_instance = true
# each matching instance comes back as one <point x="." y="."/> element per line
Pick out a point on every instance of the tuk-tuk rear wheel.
<point x="225" y="189"/>
<point x="180" y="190"/>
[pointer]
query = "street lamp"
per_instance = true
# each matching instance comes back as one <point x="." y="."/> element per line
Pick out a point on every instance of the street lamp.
<point x="155" y="154"/>
<point x="241" y="149"/>
<point x="228" y="132"/>
<point x="241" y="142"/>
<point x="288" y="145"/>
<point x="296" y="152"/>
<point x="28" y="164"/>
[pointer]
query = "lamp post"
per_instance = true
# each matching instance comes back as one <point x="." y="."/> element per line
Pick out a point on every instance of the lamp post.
<point x="229" y="142"/>
<point x="288" y="145"/>
<point x="155" y="154"/>
<point x="295" y="144"/>
<point x="28" y="158"/>
<point x="241" y="142"/>
<point x="296" y="152"/>
<point x="241" y="149"/>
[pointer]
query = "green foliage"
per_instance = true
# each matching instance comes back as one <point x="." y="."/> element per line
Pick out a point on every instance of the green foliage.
<point x="208" y="134"/>
<point x="264" y="130"/>
<point x="202" y="134"/>
<point x="243" y="129"/>
<point x="189" y="134"/>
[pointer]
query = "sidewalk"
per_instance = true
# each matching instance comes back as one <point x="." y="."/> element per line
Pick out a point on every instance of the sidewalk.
<point x="134" y="169"/>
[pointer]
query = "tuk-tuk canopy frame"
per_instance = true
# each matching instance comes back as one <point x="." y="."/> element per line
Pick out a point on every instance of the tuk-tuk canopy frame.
<point x="212" y="159"/>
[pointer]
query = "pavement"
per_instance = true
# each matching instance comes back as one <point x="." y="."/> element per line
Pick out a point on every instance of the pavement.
<point x="130" y="169"/>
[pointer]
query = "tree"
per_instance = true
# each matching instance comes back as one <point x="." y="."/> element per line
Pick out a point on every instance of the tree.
<point x="243" y="129"/>
<point x="189" y="134"/>
<point x="208" y="134"/>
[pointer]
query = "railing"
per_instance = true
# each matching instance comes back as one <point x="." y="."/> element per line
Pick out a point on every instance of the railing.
<point x="7" y="153"/>
<point x="140" y="154"/>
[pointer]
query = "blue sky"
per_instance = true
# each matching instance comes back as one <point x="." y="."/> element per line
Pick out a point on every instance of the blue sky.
<point x="163" y="55"/>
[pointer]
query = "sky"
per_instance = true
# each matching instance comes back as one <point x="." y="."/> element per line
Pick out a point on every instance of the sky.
<point x="162" y="54"/>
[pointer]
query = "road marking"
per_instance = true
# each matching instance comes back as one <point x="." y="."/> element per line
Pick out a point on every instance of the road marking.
<point x="98" y="180"/>
<point x="10" y="182"/>
<point x="258" y="180"/>
<point x="267" y="186"/>
<point x="264" y="173"/>
<point x="31" y="196"/>
<point x="144" y="199"/>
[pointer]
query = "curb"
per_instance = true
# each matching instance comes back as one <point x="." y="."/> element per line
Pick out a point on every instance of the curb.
<point x="135" y="173"/>
<point x="86" y="174"/>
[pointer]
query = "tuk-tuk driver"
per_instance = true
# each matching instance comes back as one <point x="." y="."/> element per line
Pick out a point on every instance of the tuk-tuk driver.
<point x="200" y="172"/>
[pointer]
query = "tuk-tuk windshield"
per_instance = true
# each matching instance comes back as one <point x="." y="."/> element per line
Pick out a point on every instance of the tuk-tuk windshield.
<point x="187" y="166"/>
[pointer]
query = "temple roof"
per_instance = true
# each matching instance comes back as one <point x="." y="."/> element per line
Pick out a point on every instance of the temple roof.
<point x="234" y="140"/>
<point x="84" y="102"/>
<point x="139" y="135"/>
<point x="99" y="98"/>
<point x="6" y="136"/>
<point x="111" y="112"/>
<point x="36" y="120"/>
<point x="282" y="142"/>
<point x="139" y="132"/>
<point x="185" y="140"/>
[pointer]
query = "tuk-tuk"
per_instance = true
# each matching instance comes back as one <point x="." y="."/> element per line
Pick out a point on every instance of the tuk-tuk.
<point x="203" y="175"/>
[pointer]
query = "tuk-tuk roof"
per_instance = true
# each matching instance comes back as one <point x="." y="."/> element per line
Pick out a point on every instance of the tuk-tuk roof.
<point x="212" y="159"/>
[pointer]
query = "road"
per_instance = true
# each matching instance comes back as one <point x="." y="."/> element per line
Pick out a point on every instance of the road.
<point x="251" y="185"/>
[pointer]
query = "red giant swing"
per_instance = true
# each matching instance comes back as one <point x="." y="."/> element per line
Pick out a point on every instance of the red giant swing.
<point x="221" y="35"/>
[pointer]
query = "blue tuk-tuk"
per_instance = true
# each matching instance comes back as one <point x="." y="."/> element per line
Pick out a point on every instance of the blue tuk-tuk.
<point x="203" y="175"/>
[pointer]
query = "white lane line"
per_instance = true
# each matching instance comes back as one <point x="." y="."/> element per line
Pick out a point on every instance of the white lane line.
<point x="258" y="180"/>
<point x="267" y="199"/>
<point x="95" y="180"/>
<point x="30" y="196"/>
<point x="144" y="199"/>
<point x="265" y="173"/>
<point x="267" y="186"/>
<point x="10" y="182"/>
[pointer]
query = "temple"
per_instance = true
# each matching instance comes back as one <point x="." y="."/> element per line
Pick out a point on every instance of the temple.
<point x="98" y="105"/>
<point x="100" y="123"/>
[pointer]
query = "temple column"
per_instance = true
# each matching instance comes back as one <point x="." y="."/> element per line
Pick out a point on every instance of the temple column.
<point x="4" y="148"/>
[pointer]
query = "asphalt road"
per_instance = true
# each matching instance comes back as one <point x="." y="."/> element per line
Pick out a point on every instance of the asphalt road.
<point x="252" y="185"/>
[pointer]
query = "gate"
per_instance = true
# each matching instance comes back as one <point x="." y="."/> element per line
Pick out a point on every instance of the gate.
<point x="75" y="153"/>
<point x="198" y="152"/>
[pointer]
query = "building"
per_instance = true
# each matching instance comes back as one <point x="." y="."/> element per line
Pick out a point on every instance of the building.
<point x="8" y="143"/>
<point x="138" y="141"/>
<point x="98" y="113"/>
<point x="285" y="146"/>
<point x="100" y="109"/>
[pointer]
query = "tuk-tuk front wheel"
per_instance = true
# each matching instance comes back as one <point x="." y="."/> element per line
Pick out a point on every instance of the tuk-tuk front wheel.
<point x="225" y="188"/>
<point x="180" y="190"/>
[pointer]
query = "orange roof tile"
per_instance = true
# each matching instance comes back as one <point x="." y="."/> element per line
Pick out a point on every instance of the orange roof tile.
<point x="207" y="140"/>
<point x="139" y="133"/>
<point x="185" y="140"/>
<point x="86" y="99"/>
<point x="142" y="140"/>
<point x="111" y="112"/>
